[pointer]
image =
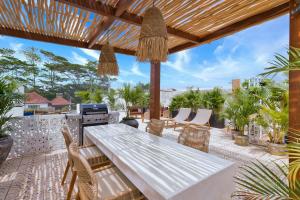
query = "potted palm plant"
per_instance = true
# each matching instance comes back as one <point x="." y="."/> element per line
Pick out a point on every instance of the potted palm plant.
<point x="214" y="100"/>
<point x="238" y="110"/>
<point x="273" y="117"/>
<point x="130" y="96"/>
<point x="8" y="99"/>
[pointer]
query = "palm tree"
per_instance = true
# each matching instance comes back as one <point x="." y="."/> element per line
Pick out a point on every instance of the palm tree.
<point x="283" y="63"/>
<point x="111" y="97"/>
<point x="125" y="93"/>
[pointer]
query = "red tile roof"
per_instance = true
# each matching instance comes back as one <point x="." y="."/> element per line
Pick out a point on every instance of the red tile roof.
<point x="35" y="98"/>
<point x="60" y="101"/>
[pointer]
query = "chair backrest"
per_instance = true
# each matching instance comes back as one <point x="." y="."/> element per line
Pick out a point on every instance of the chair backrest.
<point x="67" y="135"/>
<point x="183" y="114"/>
<point x="156" y="127"/>
<point x="202" y="117"/>
<point x="195" y="137"/>
<point x="166" y="113"/>
<point x="147" y="115"/>
<point x="86" y="179"/>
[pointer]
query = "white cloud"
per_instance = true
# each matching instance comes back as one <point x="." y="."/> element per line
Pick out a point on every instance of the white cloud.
<point x="221" y="69"/>
<point x="219" y="49"/>
<point x="181" y="60"/>
<point x="120" y="80"/>
<point x="78" y="59"/>
<point x="16" y="46"/>
<point x="92" y="53"/>
<point x="135" y="70"/>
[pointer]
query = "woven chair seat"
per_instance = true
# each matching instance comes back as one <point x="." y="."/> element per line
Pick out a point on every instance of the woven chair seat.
<point x="93" y="155"/>
<point x="113" y="185"/>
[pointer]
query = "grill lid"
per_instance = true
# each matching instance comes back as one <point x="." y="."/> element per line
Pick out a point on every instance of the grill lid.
<point x="93" y="109"/>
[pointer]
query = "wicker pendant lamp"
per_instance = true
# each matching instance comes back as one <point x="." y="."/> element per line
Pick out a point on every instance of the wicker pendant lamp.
<point x="108" y="64"/>
<point x="153" y="41"/>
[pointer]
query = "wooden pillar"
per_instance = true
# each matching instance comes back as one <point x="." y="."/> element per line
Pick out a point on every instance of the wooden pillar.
<point x="155" y="91"/>
<point x="294" y="76"/>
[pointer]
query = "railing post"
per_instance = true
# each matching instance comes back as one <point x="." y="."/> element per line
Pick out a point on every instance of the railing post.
<point x="155" y="90"/>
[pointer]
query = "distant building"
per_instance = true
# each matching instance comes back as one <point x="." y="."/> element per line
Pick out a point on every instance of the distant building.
<point x="35" y="101"/>
<point x="59" y="102"/>
<point x="236" y="84"/>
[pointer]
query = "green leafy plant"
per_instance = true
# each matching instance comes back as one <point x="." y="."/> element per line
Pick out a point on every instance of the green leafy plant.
<point x="8" y="98"/>
<point x="273" y="113"/>
<point x="260" y="181"/>
<point x="214" y="100"/>
<point x="111" y="97"/>
<point x="126" y="93"/>
<point x="177" y="102"/>
<point x="190" y="99"/>
<point x="293" y="149"/>
<point x="283" y="63"/>
<point x="90" y="96"/>
<point x="193" y="99"/>
<point x="133" y="96"/>
<point x="239" y="108"/>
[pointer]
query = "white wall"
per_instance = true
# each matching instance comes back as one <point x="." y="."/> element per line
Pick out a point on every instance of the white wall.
<point x="18" y="111"/>
<point x="29" y="106"/>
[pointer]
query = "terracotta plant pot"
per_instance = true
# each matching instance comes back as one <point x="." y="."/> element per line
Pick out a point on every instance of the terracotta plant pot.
<point x="276" y="149"/>
<point x="241" y="140"/>
<point x="234" y="133"/>
<point x="5" y="146"/>
<point x="130" y="122"/>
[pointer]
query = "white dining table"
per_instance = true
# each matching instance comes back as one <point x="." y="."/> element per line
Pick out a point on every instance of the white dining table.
<point x="162" y="169"/>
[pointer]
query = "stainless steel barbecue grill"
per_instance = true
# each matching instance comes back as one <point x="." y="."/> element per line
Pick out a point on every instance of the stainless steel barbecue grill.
<point x="91" y="115"/>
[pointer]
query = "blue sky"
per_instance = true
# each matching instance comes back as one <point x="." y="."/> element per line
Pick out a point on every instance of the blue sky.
<point x="242" y="55"/>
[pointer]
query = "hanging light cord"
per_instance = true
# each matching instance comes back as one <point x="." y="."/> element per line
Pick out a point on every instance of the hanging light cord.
<point x="107" y="36"/>
<point x="153" y="3"/>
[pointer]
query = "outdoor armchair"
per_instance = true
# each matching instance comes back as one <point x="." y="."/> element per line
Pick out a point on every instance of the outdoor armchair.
<point x="195" y="137"/>
<point x="104" y="183"/>
<point x="92" y="154"/>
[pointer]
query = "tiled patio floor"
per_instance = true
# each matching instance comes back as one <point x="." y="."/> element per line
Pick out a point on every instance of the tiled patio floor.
<point x="38" y="177"/>
<point x="34" y="178"/>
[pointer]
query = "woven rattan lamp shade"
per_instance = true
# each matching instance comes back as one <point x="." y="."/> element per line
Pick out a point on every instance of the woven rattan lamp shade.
<point x="107" y="62"/>
<point x="153" y="41"/>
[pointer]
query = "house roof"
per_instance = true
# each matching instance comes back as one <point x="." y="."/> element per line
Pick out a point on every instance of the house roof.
<point x="35" y="98"/>
<point x="60" y="101"/>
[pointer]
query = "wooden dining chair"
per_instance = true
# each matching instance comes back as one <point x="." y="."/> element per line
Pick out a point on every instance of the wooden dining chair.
<point x="155" y="127"/>
<point x="106" y="183"/>
<point x="195" y="137"/>
<point x="93" y="155"/>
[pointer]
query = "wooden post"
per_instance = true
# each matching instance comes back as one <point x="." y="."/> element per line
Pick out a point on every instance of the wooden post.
<point x="294" y="76"/>
<point x="155" y="91"/>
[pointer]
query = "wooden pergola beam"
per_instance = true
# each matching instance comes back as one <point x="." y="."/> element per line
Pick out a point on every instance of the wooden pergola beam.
<point x="130" y="18"/>
<point x="155" y="90"/>
<point x="56" y="40"/>
<point x="294" y="76"/>
<point x="107" y="21"/>
<point x="238" y="26"/>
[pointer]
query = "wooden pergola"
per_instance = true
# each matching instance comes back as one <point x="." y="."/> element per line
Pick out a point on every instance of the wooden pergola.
<point x="190" y="23"/>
